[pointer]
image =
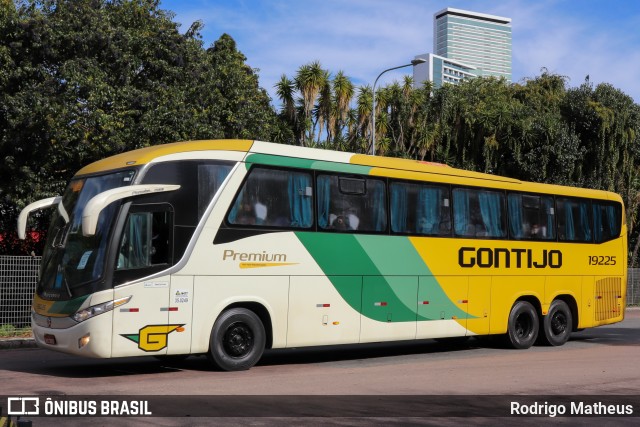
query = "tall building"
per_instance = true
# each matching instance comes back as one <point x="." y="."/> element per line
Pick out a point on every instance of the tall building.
<point x="441" y="70"/>
<point x="475" y="39"/>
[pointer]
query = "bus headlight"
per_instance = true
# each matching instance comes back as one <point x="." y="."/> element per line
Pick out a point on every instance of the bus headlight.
<point x="94" y="310"/>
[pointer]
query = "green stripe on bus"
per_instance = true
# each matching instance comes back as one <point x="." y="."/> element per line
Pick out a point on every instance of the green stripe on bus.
<point x="294" y="162"/>
<point x="396" y="256"/>
<point x="67" y="307"/>
<point x="391" y="272"/>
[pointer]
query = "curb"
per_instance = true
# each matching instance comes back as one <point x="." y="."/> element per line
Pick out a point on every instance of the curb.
<point x="13" y="343"/>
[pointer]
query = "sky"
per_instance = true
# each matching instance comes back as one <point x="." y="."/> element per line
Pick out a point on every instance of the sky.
<point x="573" y="38"/>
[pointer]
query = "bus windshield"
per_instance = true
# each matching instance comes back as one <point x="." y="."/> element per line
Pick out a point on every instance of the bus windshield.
<point x="70" y="259"/>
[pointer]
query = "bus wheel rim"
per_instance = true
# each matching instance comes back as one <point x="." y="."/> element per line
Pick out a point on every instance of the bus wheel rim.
<point x="558" y="323"/>
<point x="238" y="340"/>
<point x="523" y="326"/>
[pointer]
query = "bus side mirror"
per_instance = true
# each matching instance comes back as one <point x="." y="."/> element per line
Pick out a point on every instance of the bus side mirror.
<point x="100" y="201"/>
<point x="35" y="206"/>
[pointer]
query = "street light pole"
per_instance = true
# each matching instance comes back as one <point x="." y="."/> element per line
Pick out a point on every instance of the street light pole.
<point x="373" y="111"/>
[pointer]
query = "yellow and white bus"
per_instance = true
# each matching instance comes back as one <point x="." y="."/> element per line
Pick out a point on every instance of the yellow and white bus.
<point x="229" y="247"/>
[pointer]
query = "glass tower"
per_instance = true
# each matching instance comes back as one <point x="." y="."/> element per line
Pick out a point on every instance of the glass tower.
<point x="476" y="39"/>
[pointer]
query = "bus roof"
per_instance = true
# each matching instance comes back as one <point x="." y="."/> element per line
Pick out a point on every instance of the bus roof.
<point x="142" y="156"/>
<point x="375" y="165"/>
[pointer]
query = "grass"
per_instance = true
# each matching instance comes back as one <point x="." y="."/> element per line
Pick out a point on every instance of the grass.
<point x="10" y="331"/>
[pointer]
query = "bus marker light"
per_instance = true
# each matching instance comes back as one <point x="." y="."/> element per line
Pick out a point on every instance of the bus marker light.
<point x="454" y="317"/>
<point x="179" y="329"/>
<point x="129" y="310"/>
<point x="380" y="304"/>
<point x="336" y="323"/>
<point x="323" y="305"/>
<point x="168" y="308"/>
<point x="425" y="302"/>
<point x="84" y="340"/>
<point x="463" y="301"/>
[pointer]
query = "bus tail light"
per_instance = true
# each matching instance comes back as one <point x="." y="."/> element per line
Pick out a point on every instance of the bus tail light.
<point x="88" y="313"/>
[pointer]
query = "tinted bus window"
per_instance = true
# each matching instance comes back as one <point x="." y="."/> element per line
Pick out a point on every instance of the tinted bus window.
<point x="210" y="178"/>
<point x="607" y="220"/>
<point x="420" y="209"/>
<point x="274" y="198"/>
<point x="574" y="220"/>
<point x="146" y="238"/>
<point x="531" y="216"/>
<point x="478" y="213"/>
<point x="351" y="204"/>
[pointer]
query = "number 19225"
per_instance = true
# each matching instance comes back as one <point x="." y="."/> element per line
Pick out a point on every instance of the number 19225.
<point x="602" y="260"/>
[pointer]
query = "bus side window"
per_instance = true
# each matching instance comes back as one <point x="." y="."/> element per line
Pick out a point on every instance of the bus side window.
<point x="531" y="216"/>
<point x="479" y="213"/>
<point x="420" y="209"/>
<point x="146" y="240"/>
<point x="274" y="198"/>
<point x="348" y="203"/>
<point x="606" y="220"/>
<point x="574" y="219"/>
<point x="210" y="178"/>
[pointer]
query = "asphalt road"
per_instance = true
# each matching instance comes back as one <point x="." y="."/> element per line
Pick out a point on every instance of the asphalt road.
<point x="599" y="361"/>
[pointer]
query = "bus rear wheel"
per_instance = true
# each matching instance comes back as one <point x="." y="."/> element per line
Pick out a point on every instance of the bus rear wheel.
<point x="237" y="340"/>
<point x="523" y="325"/>
<point x="557" y="324"/>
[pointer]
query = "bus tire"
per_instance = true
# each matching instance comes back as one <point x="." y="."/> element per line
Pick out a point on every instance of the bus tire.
<point x="523" y="325"/>
<point x="237" y="340"/>
<point x="557" y="324"/>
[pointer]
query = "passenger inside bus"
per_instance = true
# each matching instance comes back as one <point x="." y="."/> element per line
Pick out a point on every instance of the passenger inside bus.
<point x="537" y="231"/>
<point x="246" y="215"/>
<point x="340" y="223"/>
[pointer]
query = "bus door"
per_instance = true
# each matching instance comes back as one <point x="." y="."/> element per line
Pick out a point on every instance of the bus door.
<point x="145" y="250"/>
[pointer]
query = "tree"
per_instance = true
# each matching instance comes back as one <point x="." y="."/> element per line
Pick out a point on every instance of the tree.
<point x="310" y="80"/>
<point x="84" y="79"/>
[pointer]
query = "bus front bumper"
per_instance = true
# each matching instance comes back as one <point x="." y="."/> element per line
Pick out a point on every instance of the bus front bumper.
<point x="91" y="338"/>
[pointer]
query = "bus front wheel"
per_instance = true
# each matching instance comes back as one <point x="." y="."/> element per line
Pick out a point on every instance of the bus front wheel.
<point x="557" y="324"/>
<point x="237" y="340"/>
<point x="523" y="325"/>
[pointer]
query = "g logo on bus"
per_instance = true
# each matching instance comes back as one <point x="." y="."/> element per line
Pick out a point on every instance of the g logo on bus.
<point x="48" y="322"/>
<point x="153" y="337"/>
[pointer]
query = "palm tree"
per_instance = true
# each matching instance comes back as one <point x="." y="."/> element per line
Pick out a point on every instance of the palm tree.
<point x="364" y="100"/>
<point x="343" y="91"/>
<point x="309" y="80"/>
<point x="285" y="89"/>
<point x="323" y="112"/>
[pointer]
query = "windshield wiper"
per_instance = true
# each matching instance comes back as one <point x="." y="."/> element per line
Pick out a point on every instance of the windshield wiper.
<point x="61" y="238"/>
<point x="61" y="270"/>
